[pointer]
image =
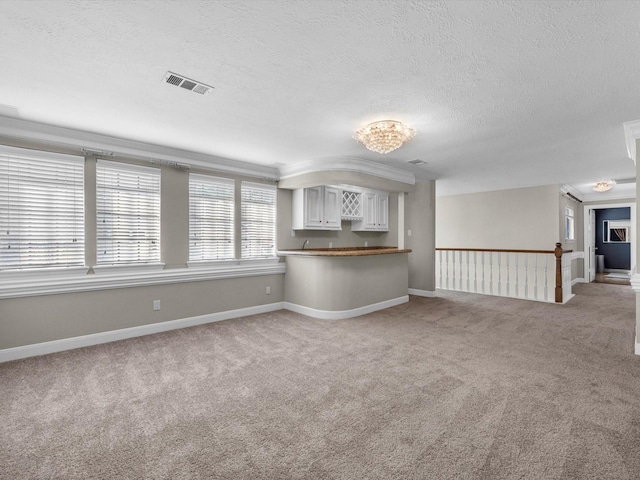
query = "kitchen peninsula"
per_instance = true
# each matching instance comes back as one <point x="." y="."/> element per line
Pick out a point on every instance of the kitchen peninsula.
<point x="335" y="283"/>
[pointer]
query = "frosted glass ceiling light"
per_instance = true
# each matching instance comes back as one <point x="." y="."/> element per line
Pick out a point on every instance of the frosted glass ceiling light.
<point x="604" y="186"/>
<point x="384" y="136"/>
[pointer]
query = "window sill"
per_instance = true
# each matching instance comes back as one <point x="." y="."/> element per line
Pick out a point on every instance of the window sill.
<point x="229" y="263"/>
<point x="50" y="284"/>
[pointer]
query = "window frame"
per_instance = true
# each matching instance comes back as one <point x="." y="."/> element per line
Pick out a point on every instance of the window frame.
<point x="569" y="224"/>
<point x="244" y="205"/>
<point x="39" y="169"/>
<point x="209" y="203"/>
<point x="147" y="193"/>
<point x="54" y="280"/>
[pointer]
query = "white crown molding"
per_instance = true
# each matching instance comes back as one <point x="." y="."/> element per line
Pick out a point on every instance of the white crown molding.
<point x="605" y="197"/>
<point x="347" y="164"/>
<point x="40" y="132"/>
<point x="565" y="189"/>
<point x="631" y="134"/>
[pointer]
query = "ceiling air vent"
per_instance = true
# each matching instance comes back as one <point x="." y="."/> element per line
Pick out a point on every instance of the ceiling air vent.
<point x="186" y="83"/>
<point x="417" y="162"/>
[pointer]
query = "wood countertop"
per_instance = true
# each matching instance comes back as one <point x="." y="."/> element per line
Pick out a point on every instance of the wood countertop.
<point x="343" y="252"/>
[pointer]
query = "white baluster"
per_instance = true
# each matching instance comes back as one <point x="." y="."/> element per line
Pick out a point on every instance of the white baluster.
<point x="467" y="255"/>
<point x="490" y="273"/>
<point x="483" y="278"/>
<point x="453" y="269"/>
<point x="499" y="274"/>
<point x="526" y="275"/>
<point x="508" y="286"/>
<point x="475" y="271"/>
<point x="447" y="270"/>
<point x="535" y="277"/>
<point x="440" y="262"/>
<point x="546" y="293"/>
<point x="460" y="268"/>
<point x="517" y="286"/>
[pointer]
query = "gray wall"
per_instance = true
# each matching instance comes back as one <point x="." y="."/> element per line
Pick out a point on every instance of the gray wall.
<point x="519" y="219"/>
<point x="345" y="283"/>
<point x="420" y="218"/>
<point x="30" y="320"/>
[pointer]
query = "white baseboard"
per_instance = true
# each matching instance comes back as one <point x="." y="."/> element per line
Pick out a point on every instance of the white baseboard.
<point x="637" y="348"/>
<point x="342" y="314"/>
<point x="422" y="293"/>
<point x="577" y="280"/>
<point x="36" y="349"/>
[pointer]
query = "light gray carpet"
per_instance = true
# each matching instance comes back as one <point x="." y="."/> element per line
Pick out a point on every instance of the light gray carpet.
<point x="457" y="387"/>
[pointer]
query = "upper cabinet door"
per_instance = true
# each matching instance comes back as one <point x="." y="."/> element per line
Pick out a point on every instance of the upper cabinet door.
<point x="376" y="213"/>
<point x="332" y="207"/>
<point x="370" y="211"/>
<point x="383" y="211"/>
<point x="313" y="207"/>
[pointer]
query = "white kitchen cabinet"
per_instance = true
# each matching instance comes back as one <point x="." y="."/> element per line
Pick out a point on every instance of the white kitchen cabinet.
<point x="375" y="212"/>
<point x="383" y="211"/>
<point x="317" y="208"/>
<point x="351" y="204"/>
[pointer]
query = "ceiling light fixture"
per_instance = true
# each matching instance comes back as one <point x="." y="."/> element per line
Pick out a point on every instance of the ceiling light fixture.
<point x="604" y="185"/>
<point x="384" y="136"/>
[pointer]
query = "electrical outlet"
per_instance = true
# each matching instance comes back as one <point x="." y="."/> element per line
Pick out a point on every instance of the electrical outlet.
<point x="408" y="233"/>
<point x="330" y="244"/>
<point x="156" y="305"/>
<point x="268" y="290"/>
<point x="366" y="244"/>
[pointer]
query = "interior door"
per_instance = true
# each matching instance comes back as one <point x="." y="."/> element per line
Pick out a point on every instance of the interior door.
<point x="592" y="245"/>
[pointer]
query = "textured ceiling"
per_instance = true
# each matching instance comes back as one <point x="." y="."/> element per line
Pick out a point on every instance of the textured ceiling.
<point x="503" y="94"/>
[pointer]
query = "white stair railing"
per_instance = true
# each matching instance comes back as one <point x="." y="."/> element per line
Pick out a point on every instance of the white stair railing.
<point x="541" y="275"/>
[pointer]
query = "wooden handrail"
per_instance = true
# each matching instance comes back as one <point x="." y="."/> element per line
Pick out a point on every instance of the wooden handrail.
<point x="549" y="252"/>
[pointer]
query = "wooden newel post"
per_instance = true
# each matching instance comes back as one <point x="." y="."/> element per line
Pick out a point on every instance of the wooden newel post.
<point x="558" y="253"/>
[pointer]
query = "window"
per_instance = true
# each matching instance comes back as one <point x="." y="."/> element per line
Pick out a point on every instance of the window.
<point x="41" y="209"/>
<point x="211" y="208"/>
<point x="569" y="222"/>
<point x="258" y="220"/>
<point x="128" y="213"/>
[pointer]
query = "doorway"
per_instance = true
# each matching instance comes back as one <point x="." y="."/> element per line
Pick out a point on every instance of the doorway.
<point x="608" y="235"/>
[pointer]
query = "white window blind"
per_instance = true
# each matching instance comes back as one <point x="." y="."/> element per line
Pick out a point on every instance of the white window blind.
<point x="41" y="209"/>
<point x="211" y="208"/>
<point x="128" y="213"/>
<point x="258" y="220"/>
